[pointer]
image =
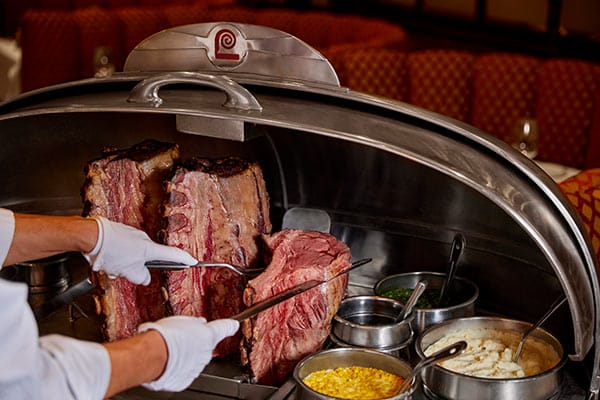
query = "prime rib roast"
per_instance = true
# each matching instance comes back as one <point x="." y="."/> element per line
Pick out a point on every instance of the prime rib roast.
<point x="277" y="338"/>
<point x="127" y="186"/>
<point x="217" y="210"/>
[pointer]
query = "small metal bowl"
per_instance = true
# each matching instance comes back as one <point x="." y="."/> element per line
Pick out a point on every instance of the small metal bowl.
<point x="348" y="357"/>
<point x="453" y="385"/>
<point x="370" y="321"/>
<point x="463" y="291"/>
<point x="400" y="350"/>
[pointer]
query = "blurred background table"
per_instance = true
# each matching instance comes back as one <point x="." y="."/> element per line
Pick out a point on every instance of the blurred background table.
<point x="558" y="172"/>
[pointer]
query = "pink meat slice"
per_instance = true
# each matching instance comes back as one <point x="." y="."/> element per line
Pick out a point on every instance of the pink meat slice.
<point x="276" y="339"/>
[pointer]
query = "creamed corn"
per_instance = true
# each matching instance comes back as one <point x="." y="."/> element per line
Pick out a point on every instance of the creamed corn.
<point x="354" y="383"/>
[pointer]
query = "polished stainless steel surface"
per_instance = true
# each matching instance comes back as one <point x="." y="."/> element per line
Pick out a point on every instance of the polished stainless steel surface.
<point x="453" y="386"/>
<point x="370" y="321"/>
<point x="238" y="98"/>
<point x="306" y="218"/>
<point x="400" y="349"/>
<point x="232" y="47"/>
<point x="464" y="292"/>
<point x="348" y="357"/>
<point x="42" y="275"/>
<point x="398" y="182"/>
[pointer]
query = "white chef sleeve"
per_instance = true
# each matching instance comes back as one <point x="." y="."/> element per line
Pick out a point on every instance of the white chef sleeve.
<point x="50" y="367"/>
<point x="7" y="232"/>
<point x="83" y="366"/>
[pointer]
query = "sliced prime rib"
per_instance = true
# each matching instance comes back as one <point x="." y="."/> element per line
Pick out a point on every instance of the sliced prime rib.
<point x="126" y="185"/>
<point x="277" y="338"/>
<point x="217" y="210"/>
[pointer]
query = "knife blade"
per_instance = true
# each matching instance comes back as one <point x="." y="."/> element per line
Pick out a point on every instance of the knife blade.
<point x="296" y="290"/>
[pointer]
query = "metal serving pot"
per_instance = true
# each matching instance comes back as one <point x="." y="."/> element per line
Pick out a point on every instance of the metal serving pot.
<point x="453" y="385"/>
<point x="463" y="290"/>
<point x="370" y="321"/>
<point x="45" y="274"/>
<point x="348" y="357"/>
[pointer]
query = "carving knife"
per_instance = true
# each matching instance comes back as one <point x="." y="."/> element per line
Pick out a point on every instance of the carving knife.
<point x="286" y="294"/>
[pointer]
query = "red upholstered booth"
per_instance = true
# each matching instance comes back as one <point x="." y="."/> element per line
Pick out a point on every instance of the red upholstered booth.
<point x="492" y="91"/>
<point x="583" y="190"/>
<point x="58" y="45"/>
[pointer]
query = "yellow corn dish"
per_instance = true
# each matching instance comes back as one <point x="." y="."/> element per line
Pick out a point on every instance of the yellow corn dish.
<point x="354" y="383"/>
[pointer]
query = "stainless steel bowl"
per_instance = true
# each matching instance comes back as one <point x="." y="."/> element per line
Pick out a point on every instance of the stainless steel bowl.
<point x="452" y="385"/>
<point x="369" y="321"/>
<point x="348" y="357"/>
<point x="401" y="350"/>
<point x="45" y="274"/>
<point x="463" y="291"/>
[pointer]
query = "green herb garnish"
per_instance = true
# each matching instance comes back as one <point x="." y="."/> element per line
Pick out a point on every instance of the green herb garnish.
<point x="429" y="298"/>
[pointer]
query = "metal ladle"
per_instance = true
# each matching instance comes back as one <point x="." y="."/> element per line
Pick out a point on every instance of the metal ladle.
<point x="557" y="303"/>
<point x="447" y="352"/>
<point x="458" y="244"/>
<point x="412" y="300"/>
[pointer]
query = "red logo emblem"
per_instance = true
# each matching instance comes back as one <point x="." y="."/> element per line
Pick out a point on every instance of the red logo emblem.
<point x="225" y="41"/>
<point x="227" y="46"/>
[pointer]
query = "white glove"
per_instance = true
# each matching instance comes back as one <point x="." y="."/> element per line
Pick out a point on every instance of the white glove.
<point x="122" y="250"/>
<point x="190" y="343"/>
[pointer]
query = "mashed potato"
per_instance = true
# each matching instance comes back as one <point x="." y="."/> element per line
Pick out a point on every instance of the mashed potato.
<point x="489" y="353"/>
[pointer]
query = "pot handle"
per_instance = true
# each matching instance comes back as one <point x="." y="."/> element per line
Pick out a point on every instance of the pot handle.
<point x="237" y="96"/>
<point x="67" y="297"/>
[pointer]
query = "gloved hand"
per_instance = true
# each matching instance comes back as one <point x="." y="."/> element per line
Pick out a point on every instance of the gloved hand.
<point x="190" y="343"/>
<point x="122" y="250"/>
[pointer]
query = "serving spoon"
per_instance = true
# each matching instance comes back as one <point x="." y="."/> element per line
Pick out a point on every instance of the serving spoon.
<point x="458" y="244"/>
<point x="447" y="352"/>
<point x="412" y="300"/>
<point x="557" y="303"/>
